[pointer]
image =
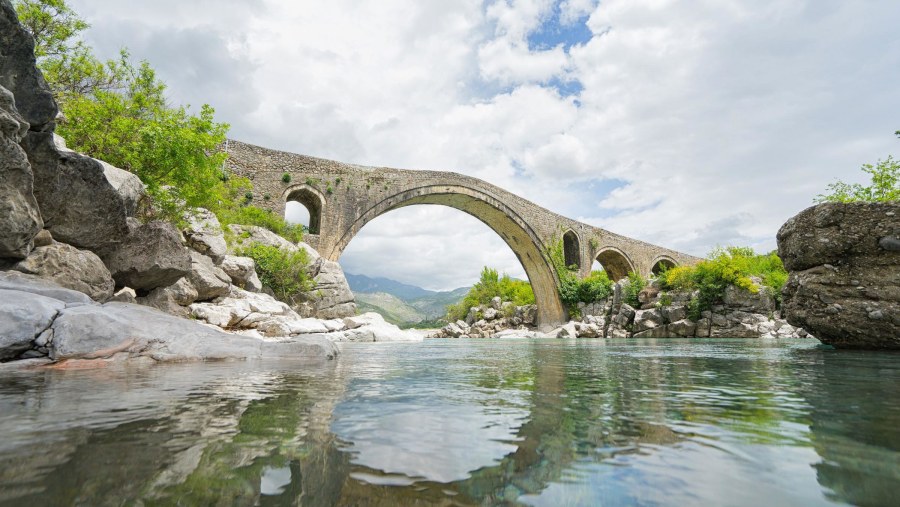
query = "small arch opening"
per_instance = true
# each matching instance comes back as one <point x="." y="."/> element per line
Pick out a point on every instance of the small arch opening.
<point x="614" y="262"/>
<point x="662" y="265"/>
<point x="571" y="249"/>
<point x="304" y="206"/>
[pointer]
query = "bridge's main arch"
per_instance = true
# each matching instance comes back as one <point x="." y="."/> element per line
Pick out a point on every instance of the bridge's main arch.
<point x="521" y="239"/>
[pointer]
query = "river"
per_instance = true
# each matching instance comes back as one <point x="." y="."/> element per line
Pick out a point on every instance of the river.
<point x="465" y="422"/>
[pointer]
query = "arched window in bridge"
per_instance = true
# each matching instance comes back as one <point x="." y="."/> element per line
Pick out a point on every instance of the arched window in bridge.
<point x="304" y="205"/>
<point x="662" y="265"/>
<point x="572" y="249"/>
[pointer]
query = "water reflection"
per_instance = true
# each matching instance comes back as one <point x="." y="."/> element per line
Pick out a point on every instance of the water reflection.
<point x="465" y="423"/>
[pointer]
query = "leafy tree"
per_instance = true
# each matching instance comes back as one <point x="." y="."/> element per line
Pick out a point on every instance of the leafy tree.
<point x="282" y="271"/>
<point x="884" y="186"/>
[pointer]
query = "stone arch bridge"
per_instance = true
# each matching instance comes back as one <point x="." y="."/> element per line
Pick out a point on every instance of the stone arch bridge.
<point x="343" y="198"/>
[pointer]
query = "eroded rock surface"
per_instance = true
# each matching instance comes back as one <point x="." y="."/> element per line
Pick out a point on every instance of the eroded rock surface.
<point x="151" y="256"/>
<point x="71" y="268"/>
<point x="20" y="218"/>
<point x="844" y="264"/>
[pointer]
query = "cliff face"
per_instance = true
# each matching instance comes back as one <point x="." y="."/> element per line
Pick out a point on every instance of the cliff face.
<point x="844" y="263"/>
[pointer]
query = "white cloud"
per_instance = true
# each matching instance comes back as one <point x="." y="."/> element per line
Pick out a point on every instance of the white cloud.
<point x="721" y="119"/>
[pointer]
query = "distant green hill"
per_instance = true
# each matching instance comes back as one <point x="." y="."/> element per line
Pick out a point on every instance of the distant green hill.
<point x="392" y="308"/>
<point x="401" y="303"/>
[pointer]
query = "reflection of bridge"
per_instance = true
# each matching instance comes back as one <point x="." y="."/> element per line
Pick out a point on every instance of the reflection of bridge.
<point x="343" y="198"/>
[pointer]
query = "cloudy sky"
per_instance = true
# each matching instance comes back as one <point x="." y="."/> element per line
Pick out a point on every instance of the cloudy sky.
<point x="689" y="123"/>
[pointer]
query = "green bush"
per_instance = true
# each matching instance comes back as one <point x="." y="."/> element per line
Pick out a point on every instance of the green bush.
<point x="596" y="287"/>
<point x="732" y="266"/>
<point x="251" y="215"/>
<point x="489" y="286"/>
<point x="286" y="177"/>
<point x="282" y="271"/>
<point x="630" y="291"/>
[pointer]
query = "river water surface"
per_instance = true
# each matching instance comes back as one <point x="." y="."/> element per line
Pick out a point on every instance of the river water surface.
<point x="465" y="422"/>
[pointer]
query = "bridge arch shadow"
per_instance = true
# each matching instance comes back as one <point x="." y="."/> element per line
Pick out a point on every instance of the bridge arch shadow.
<point x="311" y="199"/>
<point x="662" y="263"/>
<point x="615" y="262"/>
<point x="572" y="249"/>
<point x="504" y="221"/>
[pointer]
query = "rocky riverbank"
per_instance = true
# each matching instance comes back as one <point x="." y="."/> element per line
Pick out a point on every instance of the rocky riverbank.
<point x="742" y="314"/>
<point x="82" y="277"/>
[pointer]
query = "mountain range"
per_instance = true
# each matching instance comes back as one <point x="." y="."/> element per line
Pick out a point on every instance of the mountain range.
<point x="401" y="303"/>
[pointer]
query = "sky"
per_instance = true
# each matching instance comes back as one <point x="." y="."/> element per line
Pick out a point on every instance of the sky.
<point x="688" y="124"/>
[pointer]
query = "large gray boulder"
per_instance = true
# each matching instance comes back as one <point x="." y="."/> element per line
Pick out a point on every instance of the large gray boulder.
<point x="209" y="281"/>
<point x="130" y="188"/>
<point x="331" y="297"/>
<point x="15" y="281"/>
<point x="151" y="256"/>
<point x="242" y="271"/>
<point x="71" y="268"/>
<point x="20" y="219"/>
<point x="79" y="205"/>
<point x="19" y="73"/>
<point x="844" y="264"/>
<point x="121" y="328"/>
<point x="204" y="234"/>
<point x="23" y="317"/>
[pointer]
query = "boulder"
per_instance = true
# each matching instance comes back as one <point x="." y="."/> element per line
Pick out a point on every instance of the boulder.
<point x="373" y="328"/>
<point x="244" y="235"/>
<point x="647" y="319"/>
<point x="673" y="313"/>
<point x="15" y="281"/>
<point x="208" y="280"/>
<point x="43" y="238"/>
<point x="23" y="317"/>
<point x="844" y="264"/>
<point x="242" y="271"/>
<point x="590" y="331"/>
<point x="331" y="296"/>
<point x="738" y="298"/>
<point x="124" y="295"/>
<point x="20" y="218"/>
<point x="496" y="303"/>
<point x="151" y="256"/>
<point x="77" y="202"/>
<point x="204" y="234"/>
<point x="19" y="73"/>
<point x="120" y="328"/>
<point x="491" y="313"/>
<point x="172" y="299"/>
<point x="566" y="331"/>
<point x="683" y="328"/>
<point x="71" y="268"/>
<point x="130" y="188"/>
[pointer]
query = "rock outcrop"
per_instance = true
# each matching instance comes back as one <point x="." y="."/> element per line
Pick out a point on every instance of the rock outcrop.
<point x="844" y="264"/>
<point x="151" y="256"/>
<point x="204" y="234"/>
<point x="38" y="320"/>
<point x="330" y="297"/>
<point x="20" y="219"/>
<point x="77" y="202"/>
<point x="71" y="268"/>
<point x="656" y="317"/>
<point x="19" y="73"/>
